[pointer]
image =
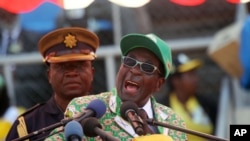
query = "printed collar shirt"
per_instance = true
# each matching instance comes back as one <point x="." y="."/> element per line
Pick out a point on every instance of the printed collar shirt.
<point x="112" y="122"/>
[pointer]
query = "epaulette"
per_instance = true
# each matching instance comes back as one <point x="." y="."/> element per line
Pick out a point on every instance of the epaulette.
<point x="21" y="127"/>
<point x="31" y="109"/>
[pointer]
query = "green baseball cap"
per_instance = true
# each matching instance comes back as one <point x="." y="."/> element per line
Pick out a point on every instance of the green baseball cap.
<point x="150" y="42"/>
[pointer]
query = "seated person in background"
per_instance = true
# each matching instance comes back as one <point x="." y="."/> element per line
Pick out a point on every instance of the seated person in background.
<point x="146" y="63"/>
<point x="198" y="110"/>
<point x="8" y="113"/>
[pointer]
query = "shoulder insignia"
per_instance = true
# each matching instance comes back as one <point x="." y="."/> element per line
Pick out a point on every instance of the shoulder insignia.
<point x="31" y="109"/>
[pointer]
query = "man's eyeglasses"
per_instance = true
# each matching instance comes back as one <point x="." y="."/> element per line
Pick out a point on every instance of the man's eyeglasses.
<point x="144" y="67"/>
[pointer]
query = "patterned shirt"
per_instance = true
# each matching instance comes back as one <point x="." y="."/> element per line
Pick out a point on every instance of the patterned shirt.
<point x="112" y="122"/>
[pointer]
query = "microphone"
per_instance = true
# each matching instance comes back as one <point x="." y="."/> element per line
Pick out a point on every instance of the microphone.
<point x="129" y="112"/>
<point x="188" y="131"/>
<point x="92" y="128"/>
<point x="95" y="108"/>
<point x="73" y="131"/>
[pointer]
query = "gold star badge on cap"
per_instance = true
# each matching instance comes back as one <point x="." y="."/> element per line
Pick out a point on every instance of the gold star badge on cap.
<point x="70" y="41"/>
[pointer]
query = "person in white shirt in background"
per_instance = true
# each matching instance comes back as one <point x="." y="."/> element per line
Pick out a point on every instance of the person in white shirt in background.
<point x="8" y="112"/>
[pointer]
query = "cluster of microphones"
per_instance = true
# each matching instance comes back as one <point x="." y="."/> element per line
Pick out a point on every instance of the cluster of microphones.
<point x="88" y="125"/>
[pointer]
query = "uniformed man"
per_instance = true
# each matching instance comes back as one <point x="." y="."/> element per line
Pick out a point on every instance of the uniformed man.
<point x="69" y="54"/>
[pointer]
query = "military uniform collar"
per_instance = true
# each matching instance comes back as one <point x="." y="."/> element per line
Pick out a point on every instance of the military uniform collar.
<point x="52" y="107"/>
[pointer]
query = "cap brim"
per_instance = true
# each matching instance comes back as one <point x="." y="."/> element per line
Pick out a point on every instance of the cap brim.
<point x="192" y="64"/>
<point x="71" y="57"/>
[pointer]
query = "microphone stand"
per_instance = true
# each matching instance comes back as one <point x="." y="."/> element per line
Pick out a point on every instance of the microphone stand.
<point x="53" y="126"/>
<point x="188" y="131"/>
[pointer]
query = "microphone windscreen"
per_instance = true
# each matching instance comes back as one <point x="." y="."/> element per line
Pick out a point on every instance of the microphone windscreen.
<point x="73" y="128"/>
<point x="128" y="105"/>
<point x="98" y="106"/>
<point x="89" y="125"/>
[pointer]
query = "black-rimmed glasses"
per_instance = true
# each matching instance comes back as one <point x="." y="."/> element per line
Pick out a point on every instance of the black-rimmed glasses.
<point x="144" y="67"/>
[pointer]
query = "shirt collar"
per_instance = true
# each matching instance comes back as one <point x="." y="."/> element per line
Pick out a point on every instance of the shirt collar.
<point x="148" y="108"/>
